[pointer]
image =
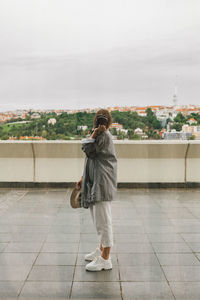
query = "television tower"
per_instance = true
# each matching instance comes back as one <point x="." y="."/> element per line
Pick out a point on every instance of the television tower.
<point x="175" y="97"/>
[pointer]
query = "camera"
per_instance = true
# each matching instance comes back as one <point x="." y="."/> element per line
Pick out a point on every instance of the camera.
<point x="101" y="120"/>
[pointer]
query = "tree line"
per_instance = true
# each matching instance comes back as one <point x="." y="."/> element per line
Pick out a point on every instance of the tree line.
<point x="66" y="126"/>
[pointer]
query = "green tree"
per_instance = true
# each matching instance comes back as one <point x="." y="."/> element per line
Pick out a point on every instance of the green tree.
<point x="177" y="126"/>
<point x="44" y="133"/>
<point x="180" y="118"/>
<point x="151" y="120"/>
<point x="192" y="137"/>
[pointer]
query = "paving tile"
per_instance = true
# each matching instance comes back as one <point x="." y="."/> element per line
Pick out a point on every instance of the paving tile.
<point x="23" y="247"/>
<point x="186" y="290"/>
<point x="96" y="290"/>
<point x="134" y="248"/>
<point x="87" y="229"/>
<point x="149" y="209"/>
<point x="56" y="259"/>
<point x="89" y="237"/>
<point x="51" y="273"/>
<point x="86" y="247"/>
<point x="191" y="237"/>
<point x="188" y="229"/>
<point x="45" y="290"/>
<point x="171" y="247"/>
<point x="146" y="291"/>
<point x="130" y="238"/>
<point x="105" y="275"/>
<point x="128" y="229"/>
<point x="137" y="259"/>
<point x="10" y="259"/>
<point x="165" y="237"/>
<point x="27" y="237"/>
<point x="177" y="259"/>
<point x="141" y="273"/>
<point x="32" y="220"/>
<point x="183" y="222"/>
<point x="198" y="255"/>
<point x="65" y="229"/>
<point x="5" y="237"/>
<point x="14" y="273"/>
<point x="127" y="222"/>
<point x="148" y="222"/>
<point x="182" y="273"/>
<point x="159" y="229"/>
<point x="8" y="228"/>
<point x="194" y="246"/>
<point x="60" y="247"/>
<point x="180" y="215"/>
<point x="167" y="219"/>
<point x="63" y="238"/>
<point x="3" y="246"/>
<point x="33" y="229"/>
<point x="10" y="289"/>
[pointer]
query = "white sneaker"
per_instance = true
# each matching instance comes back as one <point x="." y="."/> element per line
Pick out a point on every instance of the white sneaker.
<point x="93" y="254"/>
<point x="99" y="263"/>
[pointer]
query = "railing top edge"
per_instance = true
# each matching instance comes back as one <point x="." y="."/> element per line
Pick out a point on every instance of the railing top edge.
<point x="122" y="142"/>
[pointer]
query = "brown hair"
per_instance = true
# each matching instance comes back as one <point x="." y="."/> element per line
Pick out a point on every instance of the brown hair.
<point x="104" y="112"/>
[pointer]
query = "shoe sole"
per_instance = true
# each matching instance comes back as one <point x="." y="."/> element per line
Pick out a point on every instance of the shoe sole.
<point x="99" y="270"/>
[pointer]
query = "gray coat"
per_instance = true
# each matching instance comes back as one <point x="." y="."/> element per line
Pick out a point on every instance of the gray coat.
<point x="99" y="181"/>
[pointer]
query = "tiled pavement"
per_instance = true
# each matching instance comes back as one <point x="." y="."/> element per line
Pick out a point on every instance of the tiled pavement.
<point x="156" y="253"/>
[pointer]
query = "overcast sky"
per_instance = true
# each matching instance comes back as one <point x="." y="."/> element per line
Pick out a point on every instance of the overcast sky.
<point x="89" y="53"/>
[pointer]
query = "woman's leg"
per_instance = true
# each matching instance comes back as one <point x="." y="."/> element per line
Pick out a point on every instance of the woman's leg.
<point x="92" y="212"/>
<point x="103" y="222"/>
<point x="106" y="252"/>
<point x="101" y="247"/>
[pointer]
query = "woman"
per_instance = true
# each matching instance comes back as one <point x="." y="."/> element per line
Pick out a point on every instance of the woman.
<point x="98" y="187"/>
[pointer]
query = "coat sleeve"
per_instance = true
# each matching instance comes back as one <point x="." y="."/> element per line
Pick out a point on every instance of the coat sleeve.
<point x="92" y="147"/>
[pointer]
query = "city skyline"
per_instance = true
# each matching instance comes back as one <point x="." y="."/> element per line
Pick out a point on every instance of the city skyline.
<point x="138" y="108"/>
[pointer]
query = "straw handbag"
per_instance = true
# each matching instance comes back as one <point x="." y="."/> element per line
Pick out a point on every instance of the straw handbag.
<point x="75" y="198"/>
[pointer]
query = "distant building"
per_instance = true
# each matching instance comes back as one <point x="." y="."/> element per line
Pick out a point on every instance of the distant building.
<point x="119" y="127"/>
<point x="197" y="135"/>
<point x="191" y="121"/>
<point x="31" y="138"/>
<point x="116" y="125"/>
<point x="35" y="116"/>
<point x="138" y="131"/>
<point x="141" y="111"/>
<point x="194" y="130"/>
<point x="123" y="130"/>
<point x="52" y="121"/>
<point x="176" y="135"/>
<point x="82" y="127"/>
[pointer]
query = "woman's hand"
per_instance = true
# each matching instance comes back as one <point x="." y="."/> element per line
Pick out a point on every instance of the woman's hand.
<point x="80" y="182"/>
<point x="98" y="130"/>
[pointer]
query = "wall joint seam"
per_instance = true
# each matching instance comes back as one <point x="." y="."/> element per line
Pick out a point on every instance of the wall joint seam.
<point x="185" y="163"/>
<point x="33" y="151"/>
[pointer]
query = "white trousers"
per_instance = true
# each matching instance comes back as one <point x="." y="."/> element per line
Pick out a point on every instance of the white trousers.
<point x="102" y="218"/>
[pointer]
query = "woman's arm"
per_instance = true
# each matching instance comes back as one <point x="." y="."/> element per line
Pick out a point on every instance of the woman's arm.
<point x="95" y="143"/>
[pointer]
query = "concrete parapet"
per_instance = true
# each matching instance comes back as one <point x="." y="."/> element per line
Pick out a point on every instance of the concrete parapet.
<point x="139" y="162"/>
